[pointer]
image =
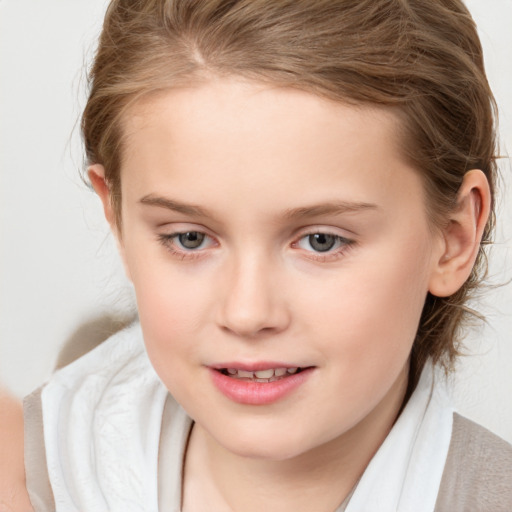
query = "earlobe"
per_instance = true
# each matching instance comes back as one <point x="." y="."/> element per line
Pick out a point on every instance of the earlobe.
<point x="96" y="175"/>
<point x="462" y="235"/>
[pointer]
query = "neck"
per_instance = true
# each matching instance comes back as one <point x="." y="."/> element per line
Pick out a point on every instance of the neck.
<point x="324" y="475"/>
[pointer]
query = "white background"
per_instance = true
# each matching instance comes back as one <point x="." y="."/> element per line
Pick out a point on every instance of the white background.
<point x="58" y="266"/>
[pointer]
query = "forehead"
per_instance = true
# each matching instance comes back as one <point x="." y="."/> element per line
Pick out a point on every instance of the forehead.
<point x="244" y="106"/>
<point x="229" y="135"/>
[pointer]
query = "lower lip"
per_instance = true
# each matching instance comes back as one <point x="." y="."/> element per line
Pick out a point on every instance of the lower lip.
<point x="258" y="393"/>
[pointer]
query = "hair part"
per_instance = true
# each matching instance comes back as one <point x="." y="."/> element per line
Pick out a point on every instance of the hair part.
<point x="421" y="58"/>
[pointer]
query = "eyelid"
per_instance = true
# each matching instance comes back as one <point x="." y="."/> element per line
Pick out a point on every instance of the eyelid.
<point x="325" y="230"/>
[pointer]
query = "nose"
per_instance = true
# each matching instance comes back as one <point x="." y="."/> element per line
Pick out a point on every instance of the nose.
<point x="253" y="303"/>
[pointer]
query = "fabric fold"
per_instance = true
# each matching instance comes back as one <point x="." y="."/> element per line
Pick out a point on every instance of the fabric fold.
<point x="102" y="418"/>
<point x="405" y="473"/>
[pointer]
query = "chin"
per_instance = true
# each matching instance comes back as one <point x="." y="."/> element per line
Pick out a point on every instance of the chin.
<point x="272" y="444"/>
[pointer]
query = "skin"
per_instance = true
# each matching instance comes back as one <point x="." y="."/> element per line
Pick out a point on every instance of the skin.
<point x="13" y="493"/>
<point x="257" y="290"/>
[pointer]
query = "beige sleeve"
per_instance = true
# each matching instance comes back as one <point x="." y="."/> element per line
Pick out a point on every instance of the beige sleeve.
<point x="478" y="473"/>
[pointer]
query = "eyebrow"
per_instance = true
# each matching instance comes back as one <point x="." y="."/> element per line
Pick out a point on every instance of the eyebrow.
<point x="176" y="206"/>
<point x="330" y="208"/>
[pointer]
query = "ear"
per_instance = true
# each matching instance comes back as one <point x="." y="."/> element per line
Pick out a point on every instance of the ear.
<point x="96" y="175"/>
<point x="462" y="235"/>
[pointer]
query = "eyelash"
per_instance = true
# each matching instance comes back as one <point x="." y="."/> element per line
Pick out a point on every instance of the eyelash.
<point x="345" y="244"/>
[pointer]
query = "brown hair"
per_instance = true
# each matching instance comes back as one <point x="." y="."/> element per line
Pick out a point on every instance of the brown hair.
<point x="421" y="58"/>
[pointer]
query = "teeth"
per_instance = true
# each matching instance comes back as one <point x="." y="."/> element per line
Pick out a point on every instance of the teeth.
<point x="264" y="374"/>
<point x="270" y="375"/>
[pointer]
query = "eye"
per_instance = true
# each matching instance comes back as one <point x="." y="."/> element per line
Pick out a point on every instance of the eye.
<point x="190" y="239"/>
<point x="186" y="243"/>
<point x="322" y="242"/>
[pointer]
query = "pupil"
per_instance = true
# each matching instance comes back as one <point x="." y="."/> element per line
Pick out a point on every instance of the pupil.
<point x="322" y="242"/>
<point x="191" y="239"/>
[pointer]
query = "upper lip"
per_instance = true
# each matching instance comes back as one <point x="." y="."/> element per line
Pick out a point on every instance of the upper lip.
<point x="255" y="366"/>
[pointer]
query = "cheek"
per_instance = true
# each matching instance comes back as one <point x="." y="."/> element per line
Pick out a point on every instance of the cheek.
<point x="172" y="310"/>
<point x="370" y="310"/>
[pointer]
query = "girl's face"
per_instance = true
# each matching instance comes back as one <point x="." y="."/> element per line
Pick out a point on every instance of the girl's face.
<point x="270" y="229"/>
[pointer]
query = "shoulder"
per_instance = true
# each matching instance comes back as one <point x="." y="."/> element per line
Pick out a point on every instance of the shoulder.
<point x="478" y="471"/>
<point x="101" y="411"/>
<point x="100" y="369"/>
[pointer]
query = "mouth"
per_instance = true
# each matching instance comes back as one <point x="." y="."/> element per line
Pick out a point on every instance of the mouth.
<point x="259" y="383"/>
<point x="263" y="376"/>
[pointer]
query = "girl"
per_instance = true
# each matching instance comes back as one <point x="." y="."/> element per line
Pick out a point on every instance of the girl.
<point x="300" y="192"/>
